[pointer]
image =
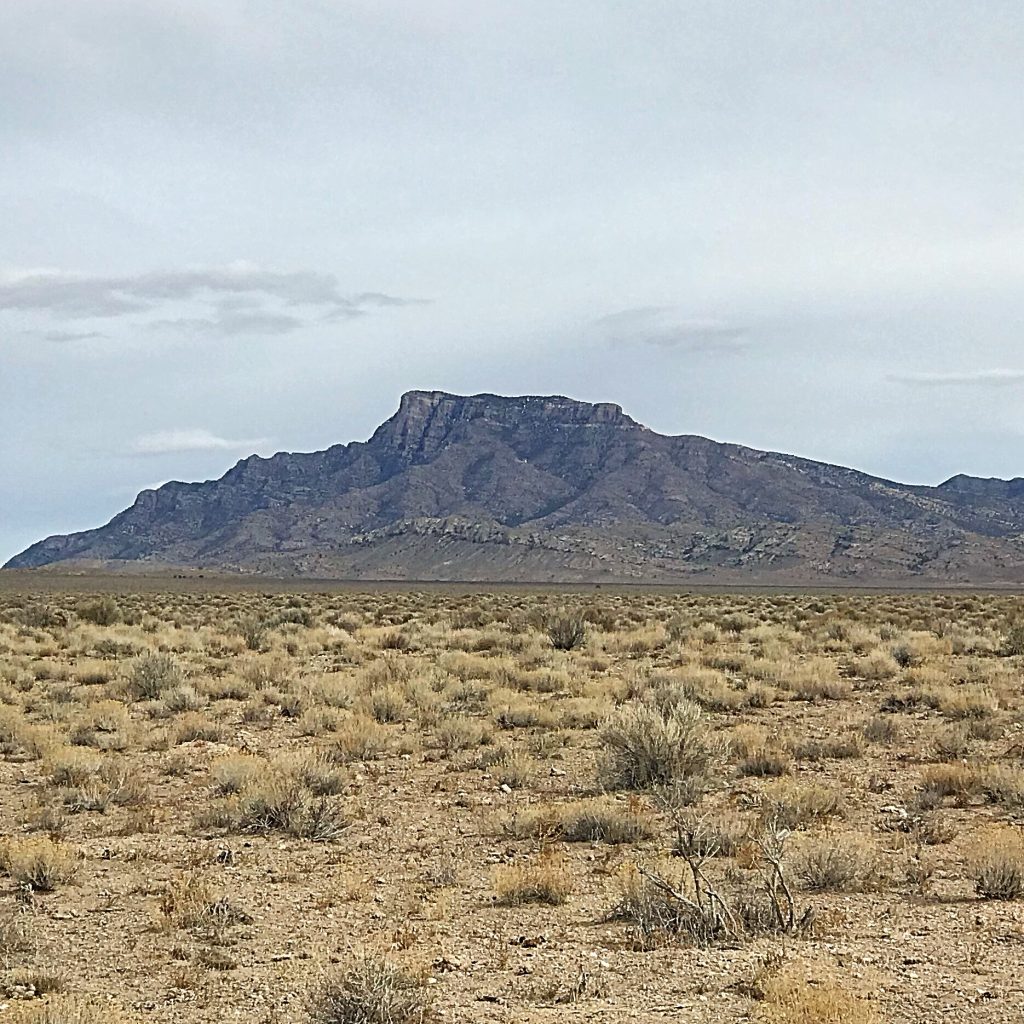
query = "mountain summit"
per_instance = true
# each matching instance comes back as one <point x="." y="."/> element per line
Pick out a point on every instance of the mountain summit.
<point x="538" y="488"/>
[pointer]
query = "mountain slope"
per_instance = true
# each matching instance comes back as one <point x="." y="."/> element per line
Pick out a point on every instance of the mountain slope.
<point x="535" y="488"/>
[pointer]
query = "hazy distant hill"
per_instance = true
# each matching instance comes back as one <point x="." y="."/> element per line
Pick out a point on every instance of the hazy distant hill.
<point x="536" y="488"/>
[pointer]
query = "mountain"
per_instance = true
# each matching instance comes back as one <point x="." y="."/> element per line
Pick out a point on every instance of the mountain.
<point x="547" y="488"/>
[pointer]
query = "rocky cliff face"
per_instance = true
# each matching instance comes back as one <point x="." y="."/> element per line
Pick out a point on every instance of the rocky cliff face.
<point x="487" y="487"/>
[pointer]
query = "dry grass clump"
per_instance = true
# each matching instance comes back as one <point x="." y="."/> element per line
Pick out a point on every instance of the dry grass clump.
<point x="792" y="804"/>
<point x="193" y="725"/>
<point x="371" y="990"/>
<point x="104" y="725"/>
<point x="38" y="862"/>
<point x="756" y="752"/>
<point x="192" y="901"/>
<point x="814" y="679"/>
<point x="453" y="734"/>
<point x="1004" y="785"/>
<point x="514" y="769"/>
<point x="358" y="738"/>
<point x="598" y="820"/>
<point x="881" y="729"/>
<point x="646" y="747"/>
<point x="843" y="862"/>
<point x="279" y="802"/>
<point x="788" y="999"/>
<point x="545" y="880"/>
<point x="66" y="1009"/>
<point x="939" y="781"/>
<point x="997" y="865"/>
<point x="235" y="772"/>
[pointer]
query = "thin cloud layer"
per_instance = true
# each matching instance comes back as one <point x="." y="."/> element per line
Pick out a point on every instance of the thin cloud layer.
<point x="231" y="325"/>
<point x="62" y="337"/>
<point x="177" y="442"/>
<point x="666" y="327"/>
<point x="971" y="378"/>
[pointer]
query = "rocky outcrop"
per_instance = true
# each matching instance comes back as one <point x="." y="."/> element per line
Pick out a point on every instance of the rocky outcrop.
<point x="489" y="487"/>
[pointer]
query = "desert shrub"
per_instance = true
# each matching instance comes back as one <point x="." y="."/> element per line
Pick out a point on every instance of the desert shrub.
<point x="523" y="715"/>
<point x="38" y="862"/>
<point x="952" y="743"/>
<point x="582" y="712"/>
<point x="388" y="703"/>
<point x="105" y="725"/>
<point x="605" y="821"/>
<point x="828" y="748"/>
<point x="566" y="630"/>
<point x="150" y="675"/>
<point x="1013" y="642"/>
<point x="371" y="990"/>
<point x="646" y="748"/>
<point x="101" y="611"/>
<point x="15" y="934"/>
<point x="881" y="729"/>
<point x="71" y="766"/>
<point x="877" y="667"/>
<point x="997" y="866"/>
<point x="905" y="655"/>
<point x="684" y="904"/>
<point x="1004" y="785"/>
<point x="253" y="630"/>
<point x="395" y="640"/>
<point x="183" y="698"/>
<point x="39" y="615"/>
<point x="295" y="615"/>
<point x="264" y="671"/>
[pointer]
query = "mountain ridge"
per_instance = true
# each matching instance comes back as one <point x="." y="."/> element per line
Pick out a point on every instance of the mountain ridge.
<point x="551" y="488"/>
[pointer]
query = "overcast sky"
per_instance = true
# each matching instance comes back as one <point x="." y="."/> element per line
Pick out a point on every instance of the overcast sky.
<point x="249" y="225"/>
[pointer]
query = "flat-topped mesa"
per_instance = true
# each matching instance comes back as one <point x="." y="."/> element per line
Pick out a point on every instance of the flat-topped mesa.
<point x="425" y="418"/>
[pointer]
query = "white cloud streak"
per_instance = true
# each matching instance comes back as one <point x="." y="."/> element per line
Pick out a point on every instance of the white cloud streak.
<point x="176" y="442"/>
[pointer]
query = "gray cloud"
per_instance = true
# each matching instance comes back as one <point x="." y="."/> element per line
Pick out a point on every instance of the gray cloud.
<point x="970" y="378"/>
<point x="666" y="327"/>
<point x="67" y="295"/>
<point x="69" y="336"/>
<point x="230" y="325"/>
<point x="177" y="442"/>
